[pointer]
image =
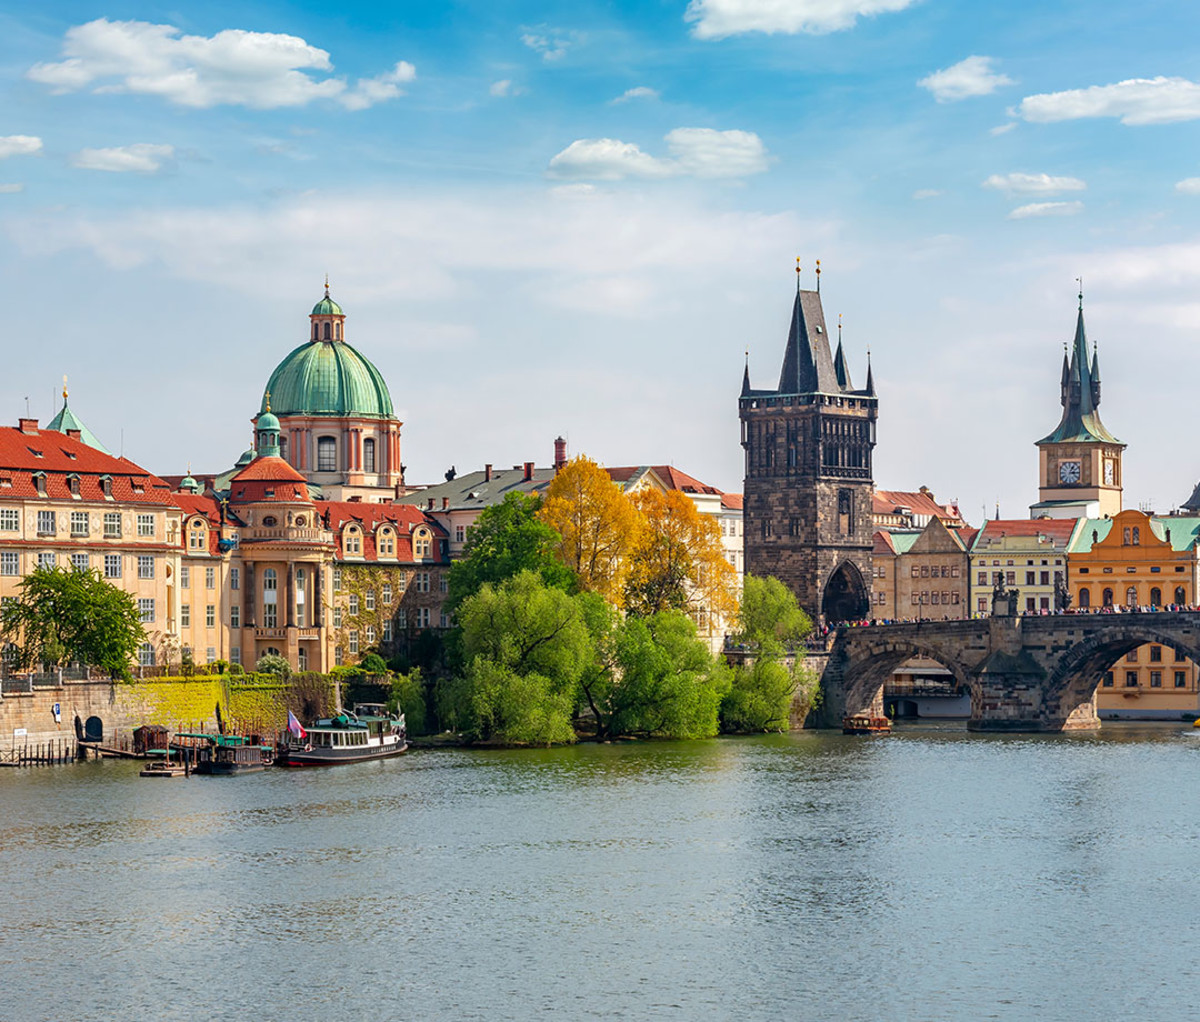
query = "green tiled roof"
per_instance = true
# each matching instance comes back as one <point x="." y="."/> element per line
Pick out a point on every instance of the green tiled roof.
<point x="1080" y="397"/>
<point x="66" y="420"/>
<point x="1184" y="532"/>
<point x="327" y="307"/>
<point x="328" y="378"/>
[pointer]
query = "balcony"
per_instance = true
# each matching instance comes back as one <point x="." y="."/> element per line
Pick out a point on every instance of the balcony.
<point x="282" y="633"/>
<point x="290" y="534"/>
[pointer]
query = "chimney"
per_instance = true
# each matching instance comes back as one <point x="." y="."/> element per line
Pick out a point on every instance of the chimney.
<point x="75" y="434"/>
<point x="487" y="473"/>
<point x="445" y="503"/>
<point x="528" y="470"/>
<point x="27" y="425"/>
<point x="560" y="453"/>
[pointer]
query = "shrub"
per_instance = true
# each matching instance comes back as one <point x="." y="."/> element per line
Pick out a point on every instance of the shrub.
<point x="269" y="663"/>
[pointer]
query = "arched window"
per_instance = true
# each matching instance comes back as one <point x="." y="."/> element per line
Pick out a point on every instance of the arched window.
<point x="369" y="455"/>
<point x="314" y="331"/>
<point x="283" y="446"/>
<point x="1125" y="536"/>
<point x="326" y="331"/>
<point x="1085" y="598"/>
<point x="1155" y="597"/>
<point x="301" y="599"/>
<point x="1131" y="597"/>
<point x="1107" y="598"/>
<point x="1180" y="595"/>
<point x="337" y="331"/>
<point x="1137" y="536"/>
<point x="302" y="659"/>
<point x="326" y="454"/>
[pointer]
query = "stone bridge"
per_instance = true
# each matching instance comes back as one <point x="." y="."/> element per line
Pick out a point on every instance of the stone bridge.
<point x="1023" y="673"/>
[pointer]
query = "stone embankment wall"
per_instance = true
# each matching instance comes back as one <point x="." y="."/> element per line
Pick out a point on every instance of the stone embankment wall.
<point x="178" y="703"/>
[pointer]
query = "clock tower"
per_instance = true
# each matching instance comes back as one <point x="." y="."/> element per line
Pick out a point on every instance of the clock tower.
<point x="1080" y="462"/>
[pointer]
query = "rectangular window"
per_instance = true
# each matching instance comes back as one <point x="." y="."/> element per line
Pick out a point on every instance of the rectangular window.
<point x="145" y="525"/>
<point x="46" y="561"/>
<point x="936" y="598"/>
<point x="443" y="620"/>
<point x="1029" y="577"/>
<point x="79" y="523"/>
<point x="423" y="617"/>
<point x="9" y="563"/>
<point x="337" y="617"/>
<point x="210" y="616"/>
<point x="210" y="578"/>
<point x="235" y="616"/>
<point x="443" y="584"/>
<point x="916" y="571"/>
<point x="1180" y="679"/>
<point x="387" y="595"/>
<point x="402" y="584"/>
<point x="45" y="523"/>
<point x="146" y="611"/>
<point x="353" y="605"/>
<point x="1156" y="679"/>
<point x="270" y="615"/>
<point x="459" y="534"/>
<point x="1030" y="603"/>
<point x="338" y="657"/>
<point x="1045" y="578"/>
<point x="354" y="640"/>
<point x="1044" y="603"/>
<point x="369" y="635"/>
<point x="326" y="454"/>
<point x="981" y="605"/>
<point x="145" y="566"/>
<point x="146" y="655"/>
<point x="422" y="581"/>
<point x="1132" y="656"/>
<point x="387" y="631"/>
<point x="370" y="599"/>
<point x="981" y="578"/>
<point x="1108" y="679"/>
<point x="112" y="565"/>
<point x="10" y="520"/>
<point x="235" y="580"/>
<point x="185" y="577"/>
<point x="1131" y="679"/>
<point x="185" y="615"/>
<point x="1179" y="657"/>
<point x="401" y="618"/>
<point x="235" y="655"/>
<point x="112" y="524"/>
<point x="210" y="654"/>
<point x="1156" y="654"/>
<point x="337" y="580"/>
<point x="1011" y="578"/>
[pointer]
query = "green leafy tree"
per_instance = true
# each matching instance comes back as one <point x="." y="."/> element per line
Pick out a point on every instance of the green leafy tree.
<point x="408" y="697"/>
<point x="760" y="698"/>
<point x="271" y="663"/>
<point x="770" y="616"/>
<point x="653" y="678"/>
<point x="525" y="645"/>
<point x="64" y="616"/>
<point x="506" y="539"/>
<point x="373" y="663"/>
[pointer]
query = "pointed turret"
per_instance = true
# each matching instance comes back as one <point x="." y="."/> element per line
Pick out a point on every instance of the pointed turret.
<point x="1095" y="374"/>
<point x="807" y="364"/>
<point x="839" y="368"/>
<point x="1066" y="377"/>
<point x="1081" y="396"/>
<point x="67" y="422"/>
<point x="746" y="377"/>
<point x="870" y="377"/>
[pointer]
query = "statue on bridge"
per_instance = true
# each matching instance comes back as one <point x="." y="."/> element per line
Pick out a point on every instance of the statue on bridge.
<point x="1062" y="595"/>
<point x="1004" y="601"/>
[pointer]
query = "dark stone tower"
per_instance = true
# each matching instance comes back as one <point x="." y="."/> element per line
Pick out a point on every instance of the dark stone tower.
<point x="808" y="489"/>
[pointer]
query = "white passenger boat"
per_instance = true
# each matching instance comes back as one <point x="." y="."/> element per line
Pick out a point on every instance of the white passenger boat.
<point x="369" y="732"/>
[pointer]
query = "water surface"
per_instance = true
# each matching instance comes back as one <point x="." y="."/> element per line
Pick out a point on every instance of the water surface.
<point x="928" y="875"/>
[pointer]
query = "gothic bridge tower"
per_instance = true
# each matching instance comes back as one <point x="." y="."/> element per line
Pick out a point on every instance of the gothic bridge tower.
<point x="808" y="486"/>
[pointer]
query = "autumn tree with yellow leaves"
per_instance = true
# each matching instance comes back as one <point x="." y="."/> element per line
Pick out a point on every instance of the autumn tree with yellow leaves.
<point x="677" y="562"/>
<point x="599" y="526"/>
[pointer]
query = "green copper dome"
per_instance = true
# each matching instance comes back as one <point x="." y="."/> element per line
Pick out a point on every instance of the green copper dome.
<point x="328" y="378"/>
<point x="327" y="307"/>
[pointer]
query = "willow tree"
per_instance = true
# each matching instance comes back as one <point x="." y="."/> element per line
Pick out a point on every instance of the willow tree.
<point x="597" y="523"/>
<point x="63" y="616"/>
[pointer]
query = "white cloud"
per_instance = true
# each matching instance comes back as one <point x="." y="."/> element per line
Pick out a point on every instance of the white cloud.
<point x="1135" y="101"/>
<point x="19" y="145"/>
<point x="927" y="193"/>
<point x="11" y="189"/>
<point x="262" y="70"/>
<point x="142" y="157"/>
<point x="1033" y="184"/>
<point x="717" y="19"/>
<point x="695" y="152"/>
<point x="1188" y="186"/>
<point x="505" y="87"/>
<point x="1046" y="209"/>
<point x="971" y="77"/>
<point x="637" y="92"/>
<point x="370" y="91"/>
<point x="1002" y="129"/>
<point x="551" y="43"/>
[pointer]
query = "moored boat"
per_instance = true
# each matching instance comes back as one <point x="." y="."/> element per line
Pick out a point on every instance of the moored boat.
<point x="221" y="755"/>
<point x="350" y="737"/>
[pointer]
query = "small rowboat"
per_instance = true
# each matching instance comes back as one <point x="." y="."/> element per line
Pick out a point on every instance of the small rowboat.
<point x="865" y="724"/>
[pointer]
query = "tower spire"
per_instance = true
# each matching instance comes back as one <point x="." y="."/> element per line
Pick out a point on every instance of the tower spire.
<point x="797" y="274"/>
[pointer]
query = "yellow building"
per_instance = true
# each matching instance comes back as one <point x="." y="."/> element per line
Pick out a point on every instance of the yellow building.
<point x="1134" y="562"/>
<point x="1028" y="556"/>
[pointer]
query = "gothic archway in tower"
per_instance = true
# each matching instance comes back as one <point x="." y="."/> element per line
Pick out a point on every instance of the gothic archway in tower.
<point x="845" y="596"/>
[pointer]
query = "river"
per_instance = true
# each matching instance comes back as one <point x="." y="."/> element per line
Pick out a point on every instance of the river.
<point x="931" y="874"/>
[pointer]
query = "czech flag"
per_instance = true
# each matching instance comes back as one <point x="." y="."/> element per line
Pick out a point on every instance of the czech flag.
<point x="294" y="726"/>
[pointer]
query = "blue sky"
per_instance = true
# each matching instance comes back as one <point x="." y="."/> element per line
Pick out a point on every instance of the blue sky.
<point x="577" y="217"/>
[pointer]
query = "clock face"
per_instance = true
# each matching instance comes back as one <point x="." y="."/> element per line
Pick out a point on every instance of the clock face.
<point x="1110" y="472"/>
<point x="1068" y="472"/>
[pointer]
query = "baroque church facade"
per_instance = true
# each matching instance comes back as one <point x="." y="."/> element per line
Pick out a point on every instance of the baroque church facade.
<point x="808" y="443"/>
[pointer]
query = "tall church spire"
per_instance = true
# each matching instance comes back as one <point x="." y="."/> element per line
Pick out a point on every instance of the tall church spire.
<point x="1080" y="393"/>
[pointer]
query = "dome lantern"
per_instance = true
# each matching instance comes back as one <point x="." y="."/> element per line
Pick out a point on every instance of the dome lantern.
<point x="328" y="320"/>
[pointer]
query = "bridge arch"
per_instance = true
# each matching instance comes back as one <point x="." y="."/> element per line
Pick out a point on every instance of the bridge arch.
<point x="867" y="669"/>
<point x="1079" y="670"/>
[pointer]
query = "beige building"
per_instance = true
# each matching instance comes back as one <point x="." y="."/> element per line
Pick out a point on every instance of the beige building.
<point x="921" y="574"/>
<point x="1028" y="556"/>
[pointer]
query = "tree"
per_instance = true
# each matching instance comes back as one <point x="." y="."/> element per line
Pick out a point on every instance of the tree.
<point x="508" y="538"/>
<point x="597" y="523"/>
<point x="272" y="663"/>
<point x="760" y="698"/>
<point x="652" y="678"/>
<point x="525" y="646"/>
<point x="373" y="663"/>
<point x="770" y="616"/>
<point x="678" y="562"/>
<point x="65" y="616"/>
<point x="408" y="697"/>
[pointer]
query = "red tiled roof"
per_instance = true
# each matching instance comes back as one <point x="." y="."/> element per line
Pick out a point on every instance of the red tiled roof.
<point x="733" y="501"/>
<point x="885" y="502"/>
<point x="1058" y="530"/>
<point x="269" y="469"/>
<point x="883" y="542"/>
<point x="268" y="478"/>
<point x="669" y="474"/>
<point x="58" y="456"/>
<point x="192" y="505"/>
<point x="403" y="517"/>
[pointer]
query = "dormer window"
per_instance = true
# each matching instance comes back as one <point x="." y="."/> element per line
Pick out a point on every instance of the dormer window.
<point x="353" y="541"/>
<point x="39" y="483"/>
<point x="106" y="485"/>
<point x="73" y="485"/>
<point x="35" y="453"/>
<point x="422" y="544"/>
<point x="138" y="485"/>
<point x="387" y="543"/>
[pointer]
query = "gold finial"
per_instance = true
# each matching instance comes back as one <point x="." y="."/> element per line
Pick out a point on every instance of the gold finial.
<point x="797" y="274"/>
<point x="1079" y="280"/>
<point x="268" y="400"/>
<point x="840" y="329"/>
<point x="818" y="276"/>
<point x="327" y="285"/>
<point x="64" y="388"/>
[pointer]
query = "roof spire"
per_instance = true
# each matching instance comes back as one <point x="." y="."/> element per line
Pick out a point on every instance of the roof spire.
<point x="64" y="390"/>
<point x="870" y="375"/>
<point x="1080" y="282"/>
<point x="746" y="374"/>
